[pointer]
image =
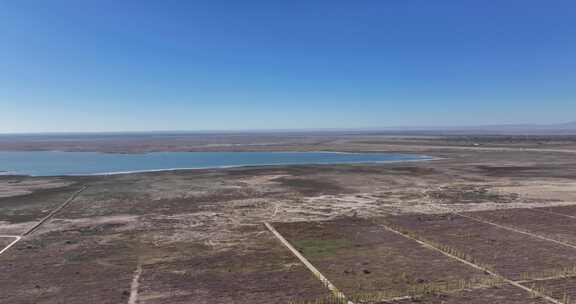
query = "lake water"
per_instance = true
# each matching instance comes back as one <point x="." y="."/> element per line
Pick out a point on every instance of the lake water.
<point x="48" y="163"/>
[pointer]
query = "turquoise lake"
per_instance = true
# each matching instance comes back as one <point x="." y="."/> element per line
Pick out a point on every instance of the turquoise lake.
<point x="48" y="163"/>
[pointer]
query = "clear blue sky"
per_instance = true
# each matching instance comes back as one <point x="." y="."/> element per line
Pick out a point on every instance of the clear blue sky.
<point x="125" y="65"/>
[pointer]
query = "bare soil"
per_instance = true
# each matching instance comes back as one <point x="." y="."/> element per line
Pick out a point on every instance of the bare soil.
<point x="550" y="225"/>
<point x="562" y="289"/>
<point x="19" y="213"/>
<point x="69" y="267"/>
<point x="199" y="237"/>
<point x="513" y="255"/>
<point x="503" y="294"/>
<point x="263" y="273"/>
<point x="360" y="257"/>
<point x="567" y="210"/>
<point x="5" y="241"/>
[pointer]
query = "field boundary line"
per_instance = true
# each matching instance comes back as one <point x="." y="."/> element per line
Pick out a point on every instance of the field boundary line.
<point x="17" y="239"/>
<point x="546" y="279"/>
<point x="449" y="210"/>
<point x="307" y="263"/>
<point x="517" y="230"/>
<point x="133" y="299"/>
<point x="53" y="212"/>
<point x="552" y="212"/>
<point x="488" y="271"/>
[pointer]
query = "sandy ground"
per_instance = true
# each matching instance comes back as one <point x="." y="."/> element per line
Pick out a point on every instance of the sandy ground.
<point x="198" y="232"/>
<point x="563" y="191"/>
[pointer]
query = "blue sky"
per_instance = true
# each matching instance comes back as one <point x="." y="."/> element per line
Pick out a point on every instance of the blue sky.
<point x="132" y="65"/>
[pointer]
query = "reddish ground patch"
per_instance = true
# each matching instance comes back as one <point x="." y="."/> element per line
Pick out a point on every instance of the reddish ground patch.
<point x="4" y="241"/>
<point x="359" y="257"/>
<point x="496" y="295"/>
<point x="54" y="269"/>
<point x="563" y="289"/>
<point x="546" y="224"/>
<point x="514" y="255"/>
<point x="266" y="274"/>
<point x="567" y="210"/>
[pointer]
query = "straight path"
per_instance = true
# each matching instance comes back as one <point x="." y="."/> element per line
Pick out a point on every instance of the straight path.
<point x="335" y="291"/>
<point x="538" y="209"/>
<point x="53" y="212"/>
<point x="41" y="222"/>
<point x="135" y="285"/>
<point x="16" y="240"/>
<point x="492" y="273"/>
<point x="509" y="228"/>
<point x="517" y="230"/>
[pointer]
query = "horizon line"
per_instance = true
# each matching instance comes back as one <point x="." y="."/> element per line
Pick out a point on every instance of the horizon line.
<point x="563" y="125"/>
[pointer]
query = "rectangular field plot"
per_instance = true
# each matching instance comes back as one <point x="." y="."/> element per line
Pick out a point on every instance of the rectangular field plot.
<point x="362" y="258"/>
<point x="265" y="273"/>
<point x="5" y="241"/>
<point x="495" y="295"/>
<point x="566" y="210"/>
<point x="25" y="211"/>
<point x="60" y="267"/>
<point x="553" y="226"/>
<point x="511" y="254"/>
<point x="563" y="289"/>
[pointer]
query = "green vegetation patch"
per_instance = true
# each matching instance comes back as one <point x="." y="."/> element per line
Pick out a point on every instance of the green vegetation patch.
<point x="321" y="248"/>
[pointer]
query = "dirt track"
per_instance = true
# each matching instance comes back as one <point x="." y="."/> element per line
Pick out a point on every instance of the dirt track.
<point x="199" y="232"/>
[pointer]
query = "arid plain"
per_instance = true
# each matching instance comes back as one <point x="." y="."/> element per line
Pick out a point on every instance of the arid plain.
<point x="491" y="220"/>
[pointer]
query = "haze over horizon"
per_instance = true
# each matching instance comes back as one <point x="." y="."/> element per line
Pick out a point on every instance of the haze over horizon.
<point x="502" y="128"/>
<point x="99" y="66"/>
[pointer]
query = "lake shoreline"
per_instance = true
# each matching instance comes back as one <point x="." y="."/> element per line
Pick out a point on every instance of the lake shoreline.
<point x="36" y="164"/>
